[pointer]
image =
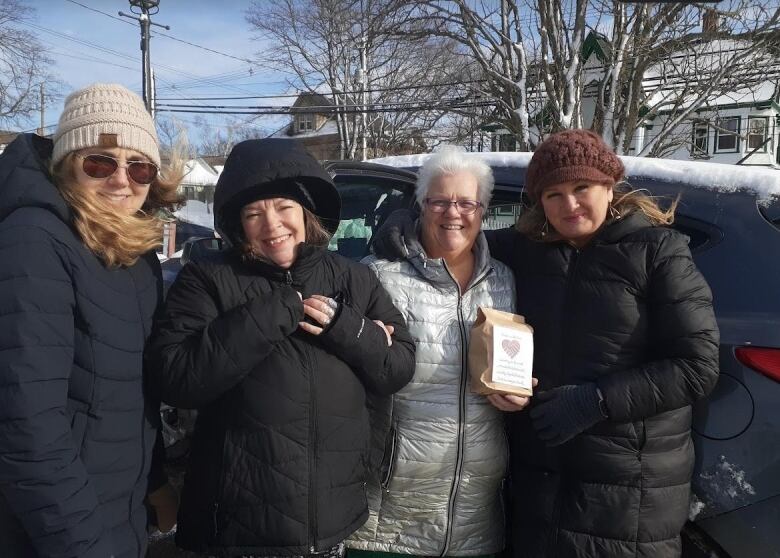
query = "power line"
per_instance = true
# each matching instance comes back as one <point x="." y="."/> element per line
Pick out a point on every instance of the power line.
<point x="171" y="37"/>
<point x="295" y="95"/>
<point x="127" y="56"/>
<point x="93" y="59"/>
<point x="100" y="12"/>
<point x="388" y="107"/>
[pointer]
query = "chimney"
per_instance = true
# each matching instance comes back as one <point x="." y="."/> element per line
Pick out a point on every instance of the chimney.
<point x="710" y="21"/>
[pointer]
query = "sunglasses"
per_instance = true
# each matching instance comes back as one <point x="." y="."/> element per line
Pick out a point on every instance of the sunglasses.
<point x="103" y="166"/>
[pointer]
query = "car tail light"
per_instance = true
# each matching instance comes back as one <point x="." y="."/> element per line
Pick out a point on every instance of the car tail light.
<point x="761" y="359"/>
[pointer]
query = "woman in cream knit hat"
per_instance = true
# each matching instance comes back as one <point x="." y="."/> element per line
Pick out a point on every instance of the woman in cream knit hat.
<point x="80" y="284"/>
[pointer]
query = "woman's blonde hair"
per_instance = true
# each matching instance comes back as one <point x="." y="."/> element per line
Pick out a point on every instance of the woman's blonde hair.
<point x="316" y="235"/>
<point x="533" y="222"/>
<point x="119" y="238"/>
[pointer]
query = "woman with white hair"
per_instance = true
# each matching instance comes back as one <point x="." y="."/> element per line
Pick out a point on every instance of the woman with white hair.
<point x="440" y="451"/>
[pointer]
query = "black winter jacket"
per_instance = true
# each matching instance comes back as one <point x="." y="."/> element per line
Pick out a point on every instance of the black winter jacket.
<point x="75" y="435"/>
<point x="631" y="312"/>
<point x="279" y="457"/>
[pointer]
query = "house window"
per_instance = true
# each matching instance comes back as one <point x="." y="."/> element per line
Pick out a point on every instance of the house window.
<point x="727" y="135"/>
<point x="699" y="144"/>
<point x="758" y="127"/>
<point x="305" y="122"/>
<point x="504" y="142"/>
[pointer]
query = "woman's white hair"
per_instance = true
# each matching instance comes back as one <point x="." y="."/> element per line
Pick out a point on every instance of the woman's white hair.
<point x="451" y="159"/>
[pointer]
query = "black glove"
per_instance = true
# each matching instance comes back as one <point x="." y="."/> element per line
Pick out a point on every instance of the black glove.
<point x="387" y="243"/>
<point x="562" y="413"/>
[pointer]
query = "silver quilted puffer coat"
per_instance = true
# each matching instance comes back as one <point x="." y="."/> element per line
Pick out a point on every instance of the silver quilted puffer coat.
<point x="439" y="454"/>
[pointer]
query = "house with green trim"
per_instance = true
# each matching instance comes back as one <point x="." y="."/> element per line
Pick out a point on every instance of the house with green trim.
<point x="739" y="127"/>
<point x="742" y="127"/>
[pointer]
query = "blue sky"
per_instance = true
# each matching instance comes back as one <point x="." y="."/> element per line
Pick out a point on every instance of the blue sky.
<point x="88" y="46"/>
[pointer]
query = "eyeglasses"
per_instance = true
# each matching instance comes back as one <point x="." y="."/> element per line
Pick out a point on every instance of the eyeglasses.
<point x="464" y="207"/>
<point x="103" y="166"/>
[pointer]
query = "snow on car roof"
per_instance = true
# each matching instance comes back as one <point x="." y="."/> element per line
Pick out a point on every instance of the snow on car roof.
<point x="765" y="182"/>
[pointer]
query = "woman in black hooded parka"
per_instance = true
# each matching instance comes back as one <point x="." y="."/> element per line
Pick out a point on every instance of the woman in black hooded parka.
<point x="276" y="342"/>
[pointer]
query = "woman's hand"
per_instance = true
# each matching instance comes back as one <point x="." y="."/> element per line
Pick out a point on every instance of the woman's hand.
<point x="165" y="502"/>
<point x="388" y="331"/>
<point x="510" y="403"/>
<point x="564" y="412"/>
<point x="321" y="309"/>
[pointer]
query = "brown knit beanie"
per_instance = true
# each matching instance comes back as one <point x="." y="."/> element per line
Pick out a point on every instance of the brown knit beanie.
<point x="108" y="110"/>
<point x="572" y="155"/>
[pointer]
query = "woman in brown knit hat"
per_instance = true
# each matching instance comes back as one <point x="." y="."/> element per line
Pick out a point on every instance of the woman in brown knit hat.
<point x="625" y="342"/>
<point x="80" y="285"/>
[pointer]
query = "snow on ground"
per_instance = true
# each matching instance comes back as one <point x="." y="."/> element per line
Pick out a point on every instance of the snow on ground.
<point x="727" y="178"/>
<point x="197" y="213"/>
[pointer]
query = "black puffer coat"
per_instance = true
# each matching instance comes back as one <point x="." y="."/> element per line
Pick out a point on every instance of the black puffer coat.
<point x="75" y="435"/>
<point x="631" y="312"/>
<point x="279" y="458"/>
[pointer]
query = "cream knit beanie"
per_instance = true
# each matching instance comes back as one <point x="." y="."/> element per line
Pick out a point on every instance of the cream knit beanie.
<point x="105" y="108"/>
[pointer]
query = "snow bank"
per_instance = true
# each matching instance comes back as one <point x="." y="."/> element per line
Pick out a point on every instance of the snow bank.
<point x="764" y="182"/>
<point x="197" y="213"/>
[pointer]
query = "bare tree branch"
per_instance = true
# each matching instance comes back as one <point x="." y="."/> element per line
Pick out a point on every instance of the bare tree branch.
<point x="24" y="66"/>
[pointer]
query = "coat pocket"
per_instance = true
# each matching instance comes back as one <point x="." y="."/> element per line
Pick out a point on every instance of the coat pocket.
<point x="78" y="429"/>
<point x="638" y="437"/>
<point x="389" y="457"/>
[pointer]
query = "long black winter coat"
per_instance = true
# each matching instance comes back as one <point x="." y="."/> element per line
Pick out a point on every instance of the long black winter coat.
<point x="631" y="312"/>
<point x="279" y="457"/>
<point x="75" y="436"/>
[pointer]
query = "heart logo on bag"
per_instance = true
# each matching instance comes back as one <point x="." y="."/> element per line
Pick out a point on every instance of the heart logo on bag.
<point x="511" y="347"/>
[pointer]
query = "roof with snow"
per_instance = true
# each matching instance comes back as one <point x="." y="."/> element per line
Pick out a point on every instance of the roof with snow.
<point x="726" y="178"/>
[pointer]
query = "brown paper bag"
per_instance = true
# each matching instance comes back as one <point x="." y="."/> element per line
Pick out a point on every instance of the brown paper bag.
<point x="501" y="353"/>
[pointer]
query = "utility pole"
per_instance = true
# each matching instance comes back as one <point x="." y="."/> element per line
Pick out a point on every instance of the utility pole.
<point x="145" y="10"/>
<point x="363" y="93"/>
<point x="41" y="129"/>
<point x="364" y="80"/>
<point x="153" y="96"/>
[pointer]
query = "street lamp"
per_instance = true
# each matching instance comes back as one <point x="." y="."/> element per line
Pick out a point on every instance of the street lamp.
<point x="145" y="9"/>
<point x="146" y="6"/>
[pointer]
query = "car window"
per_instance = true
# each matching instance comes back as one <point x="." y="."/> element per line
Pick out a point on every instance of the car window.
<point x="501" y="216"/>
<point x="364" y="207"/>
<point x="770" y="210"/>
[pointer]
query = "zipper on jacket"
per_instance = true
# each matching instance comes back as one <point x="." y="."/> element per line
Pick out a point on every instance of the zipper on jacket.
<point x="288" y="278"/>
<point x="312" y="455"/>
<point x="642" y="440"/>
<point x="214" y="520"/>
<point x="552" y="535"/>
<point x="461" y="419"/>
<point x="131" y="500"/>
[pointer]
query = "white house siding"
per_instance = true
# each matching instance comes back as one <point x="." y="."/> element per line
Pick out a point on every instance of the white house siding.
<point x="766" y="156"/>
